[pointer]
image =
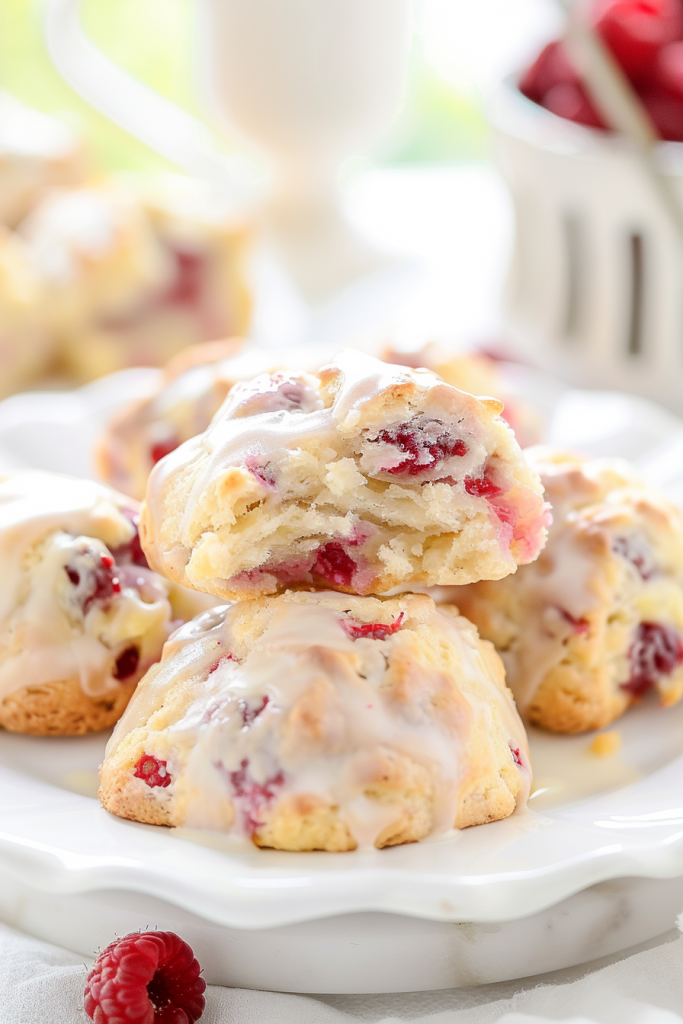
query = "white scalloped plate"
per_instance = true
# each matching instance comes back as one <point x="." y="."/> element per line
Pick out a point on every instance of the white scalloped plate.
<point x="591" y="819"/>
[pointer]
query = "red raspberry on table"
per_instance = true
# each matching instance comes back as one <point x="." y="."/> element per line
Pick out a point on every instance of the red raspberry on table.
<point x="145" y="978"/>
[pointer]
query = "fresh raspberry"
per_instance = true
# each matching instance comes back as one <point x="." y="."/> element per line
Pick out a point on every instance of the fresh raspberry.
<point x="249" y="713"/>
<point x="186" y="288"/>
<point x="655" y="652"/>
<point x="145" y="978"/>
<point x="152" y="771"/>
<point x="374" y="630"/>
<point x="570" y="100"/>
<point x="424" y="450"/>
<point x="481" y="487"/>
<point x="253" y="797"/>
<point x="127" y="663"/>
<point x="552" y="67"/>
<point x="665" y="110"/>
<point x="160" y="449"/>
<point x="635" y="30"/>
<point x="334" y="565"/>
<point x="669" y="71"/>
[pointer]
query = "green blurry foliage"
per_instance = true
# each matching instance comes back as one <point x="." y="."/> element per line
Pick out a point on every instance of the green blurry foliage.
<point x="152" y="40"/>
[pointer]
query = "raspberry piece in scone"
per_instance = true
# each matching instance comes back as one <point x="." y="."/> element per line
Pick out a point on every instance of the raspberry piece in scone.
<point x="597" y="621"/>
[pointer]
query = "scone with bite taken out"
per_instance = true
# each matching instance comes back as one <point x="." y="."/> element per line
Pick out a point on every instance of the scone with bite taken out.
<point x="82" y="617"/>
<point x="362" y="477"/>
<point x="319" y="721"/>
<point x="597" y="620"/>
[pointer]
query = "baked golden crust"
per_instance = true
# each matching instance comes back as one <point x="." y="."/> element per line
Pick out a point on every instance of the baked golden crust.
<point x="598" y="618"/>
<point x="81" y="617"/>
<point x="177" y="410"/>
<point x="317" y="721"/>
<point x="363" y="477"/>
<point x="61" y="708"/>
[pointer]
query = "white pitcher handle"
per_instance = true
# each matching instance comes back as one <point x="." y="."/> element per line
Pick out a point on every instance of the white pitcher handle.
<point x="139" y="110"/>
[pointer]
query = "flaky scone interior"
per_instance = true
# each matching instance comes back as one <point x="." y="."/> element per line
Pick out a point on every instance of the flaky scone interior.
<point x="319" y="721"/>
<point x="597" y="620"/>
<point x="363" y="477"/>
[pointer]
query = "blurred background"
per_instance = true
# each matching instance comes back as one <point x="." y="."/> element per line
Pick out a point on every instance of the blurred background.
<point x="451" y="171"/>
<point x="460" y="48"/>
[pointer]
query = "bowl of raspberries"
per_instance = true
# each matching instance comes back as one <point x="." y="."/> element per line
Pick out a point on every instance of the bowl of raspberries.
<point x="593" y="292"/>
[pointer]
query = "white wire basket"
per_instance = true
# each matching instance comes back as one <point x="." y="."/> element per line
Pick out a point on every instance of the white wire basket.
<point x="595" y="290"/>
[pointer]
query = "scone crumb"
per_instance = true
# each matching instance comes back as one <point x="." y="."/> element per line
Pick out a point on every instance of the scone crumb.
<point x="343" y="476"/>
<point x="606" y="743"/>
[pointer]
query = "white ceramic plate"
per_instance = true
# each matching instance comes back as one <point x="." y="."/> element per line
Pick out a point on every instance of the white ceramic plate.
<point x="591" y="819"/>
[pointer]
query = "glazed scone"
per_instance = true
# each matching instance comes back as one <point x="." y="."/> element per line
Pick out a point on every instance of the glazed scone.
<point x="598" y="619"/>
<point x="478" y="374"/>
<point x="82" y="617"/>
<point x="318" y="721"/>
<point x="192" y="389"/>
<point x="37" y="152"/>
<point x="26" y="344"/>
<point x="133" y="279"/>
<point x="362" y="477"/>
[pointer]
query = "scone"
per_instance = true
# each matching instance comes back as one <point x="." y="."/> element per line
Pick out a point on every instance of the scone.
<point x="82" y="617"/>
<point x="26" y="344"/>
<point x="192" y="389"/>
<point x="598" y="619"/>
<point x="478" y="374"/>
<point x="37" y="152"/>
<point x="318" y="721"/>
<point x="133" y="279"/>
<point x="361" y="478"/>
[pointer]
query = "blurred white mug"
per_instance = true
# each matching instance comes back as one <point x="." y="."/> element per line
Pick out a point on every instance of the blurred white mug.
<point x="307" y="82"/>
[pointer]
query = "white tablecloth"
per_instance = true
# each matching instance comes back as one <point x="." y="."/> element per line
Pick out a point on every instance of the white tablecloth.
<point x="41" y="984"/>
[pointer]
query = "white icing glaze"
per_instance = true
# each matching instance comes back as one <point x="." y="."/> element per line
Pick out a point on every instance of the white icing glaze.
<point x="47" y="521"/>
<point x="305" y="647"/>
<point x="234" y="437"/>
